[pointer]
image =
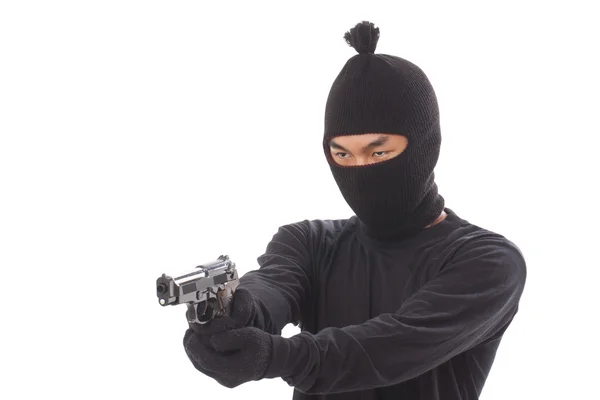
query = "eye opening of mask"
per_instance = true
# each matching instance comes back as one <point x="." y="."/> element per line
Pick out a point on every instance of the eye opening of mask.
<point x="365" y="149"/>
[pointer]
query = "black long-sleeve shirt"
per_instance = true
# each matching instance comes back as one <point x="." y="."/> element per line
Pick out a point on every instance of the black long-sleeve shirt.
<point x="419" y="319"/>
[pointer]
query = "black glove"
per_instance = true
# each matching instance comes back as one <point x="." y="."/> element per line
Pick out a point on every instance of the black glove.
<point x="232" y="357"/>
<point x="243" y="312"/>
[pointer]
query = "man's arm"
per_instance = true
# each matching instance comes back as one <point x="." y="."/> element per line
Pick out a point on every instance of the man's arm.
<point x="281" y="284"/>
<point x="474" y="297"/>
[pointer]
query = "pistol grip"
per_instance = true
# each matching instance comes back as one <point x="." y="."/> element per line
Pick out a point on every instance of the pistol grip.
<point x="225" y="298"/>
<point x="212" y="307"/>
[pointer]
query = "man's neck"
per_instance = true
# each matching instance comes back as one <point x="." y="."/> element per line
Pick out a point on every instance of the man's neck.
<point x="439" y="219"/>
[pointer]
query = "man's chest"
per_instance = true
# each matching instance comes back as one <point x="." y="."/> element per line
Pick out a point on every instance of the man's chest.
<point x="357" y="284"/>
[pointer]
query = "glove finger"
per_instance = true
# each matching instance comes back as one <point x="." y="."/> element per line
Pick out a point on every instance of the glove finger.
<point x="202" y="337"/>
<point x="204" y="358"/>
<point x="190" y="347"/>
<point x="213" y="326"/>
<point x="230" y="341"/>
<point x="207" y="361"/>
<point x="197" y="351"/>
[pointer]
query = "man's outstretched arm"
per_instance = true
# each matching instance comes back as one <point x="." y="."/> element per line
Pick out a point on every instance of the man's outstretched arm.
<point x="279" y="287"/>
<point x="474" y="297"/>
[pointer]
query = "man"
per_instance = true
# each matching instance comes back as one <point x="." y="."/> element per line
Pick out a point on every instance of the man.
<point x="404" y="300"/>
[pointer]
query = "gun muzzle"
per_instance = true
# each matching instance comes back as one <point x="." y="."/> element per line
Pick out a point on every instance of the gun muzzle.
<point x="164" y="289"/>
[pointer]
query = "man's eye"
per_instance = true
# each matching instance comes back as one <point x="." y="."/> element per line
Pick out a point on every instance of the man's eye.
<point x="380" y="153"/>
<point x="341" y="155"/>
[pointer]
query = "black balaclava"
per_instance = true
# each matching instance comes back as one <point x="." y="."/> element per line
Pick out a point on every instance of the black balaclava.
<point x="379" y="93"/>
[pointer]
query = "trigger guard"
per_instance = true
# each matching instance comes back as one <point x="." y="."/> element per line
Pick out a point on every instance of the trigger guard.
<point x="195" y="312"/>
<point x="209" y="312"/>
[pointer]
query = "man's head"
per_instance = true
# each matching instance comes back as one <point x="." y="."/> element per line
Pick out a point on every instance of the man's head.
<point x="369" y="148"/>
<point x="382" y="139"/>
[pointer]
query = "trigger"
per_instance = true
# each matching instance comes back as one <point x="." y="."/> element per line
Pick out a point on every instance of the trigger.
<point x="201" y="308"/>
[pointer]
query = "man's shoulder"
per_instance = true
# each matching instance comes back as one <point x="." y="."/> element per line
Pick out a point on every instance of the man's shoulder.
<point x="466" y="229"/>
<point x="477" y="245"/>
<point x="488" y="240"/>
<point x="313" y="234"/>
<point x="320" y="226"/>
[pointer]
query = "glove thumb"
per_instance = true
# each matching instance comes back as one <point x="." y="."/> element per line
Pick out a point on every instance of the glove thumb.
<point x="243" y="308"/>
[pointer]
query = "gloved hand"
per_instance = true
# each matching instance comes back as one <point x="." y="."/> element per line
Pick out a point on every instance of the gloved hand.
<point x="243" y="311"/>
<point x="232" y="357"/>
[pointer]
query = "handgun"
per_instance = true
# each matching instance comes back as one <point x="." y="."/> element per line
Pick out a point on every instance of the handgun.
<point x="207" y="290"/>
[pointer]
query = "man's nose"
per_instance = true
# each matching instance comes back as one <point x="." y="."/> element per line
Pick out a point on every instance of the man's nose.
<point x="363" y="161"/>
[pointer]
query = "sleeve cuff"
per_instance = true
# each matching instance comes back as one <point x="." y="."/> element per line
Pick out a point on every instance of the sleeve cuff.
<point x="288" y="354"/>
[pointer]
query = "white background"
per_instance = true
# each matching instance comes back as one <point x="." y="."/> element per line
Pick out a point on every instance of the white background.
<point x="142" y="137"/>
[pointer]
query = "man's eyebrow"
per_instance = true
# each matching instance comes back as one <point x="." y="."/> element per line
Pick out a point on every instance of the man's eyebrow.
<point x="377" y="142"/>
<point x="381" y="140"/>
<point x="336" y="146"/>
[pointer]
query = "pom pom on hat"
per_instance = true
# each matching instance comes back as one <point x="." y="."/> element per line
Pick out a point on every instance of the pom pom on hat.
<point x="363" y="37"/>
